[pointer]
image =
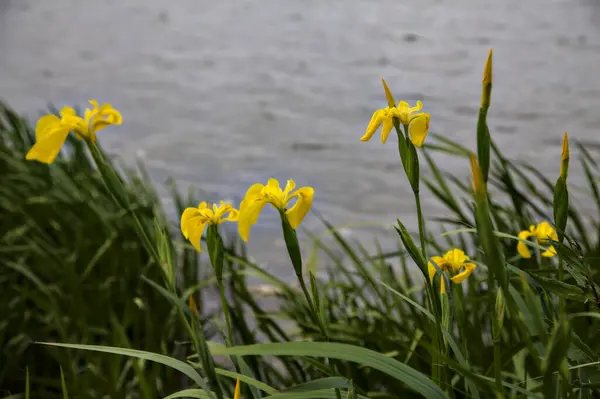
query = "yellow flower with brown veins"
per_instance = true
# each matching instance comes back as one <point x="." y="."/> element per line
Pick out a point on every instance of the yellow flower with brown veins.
<point x="415" y="123"/>
<point x="543" y="233"/>
<point x="52" y="131"/>
<point x="194" y="220"/>
<point x="259" y="195"/>
<point x="454" y="262"/>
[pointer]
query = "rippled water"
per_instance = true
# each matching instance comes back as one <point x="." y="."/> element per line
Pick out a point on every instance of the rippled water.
<point x="224" y="94"/>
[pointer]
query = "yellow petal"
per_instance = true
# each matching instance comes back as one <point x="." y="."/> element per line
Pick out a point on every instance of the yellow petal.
<point x="442" y="286"/>
<point x="460" y="277"/>
<point x="250" y="208"/>
<point x="50" y="136"/>
<point x="233" y="215"/>
<point x="387" y="128"/>
<point x="521" y="246"/>
<point x="297" y="212"/>
<point x="416" y="108"/>
<point x="403" y="107"/>
<point x="439" y="261"/>
<point x="45" y="124"/>
<point x="249" y="217"/>
<point x="544" y="231"/>
<point x="418" y="129"/>
<point x="254" y="192"/>
<point x="455" y="258"/>
<point x="106" y="115"/>
<point x="550" y="252"/>
<point x="388" y="94"/>
<point x="289" y="187"/>
<point x="192" y="226"/>
<point x="67" y="111"/>
<point x="237" y="391"/>
<point x="89" y="113"/>
<point x="376" y="121"/>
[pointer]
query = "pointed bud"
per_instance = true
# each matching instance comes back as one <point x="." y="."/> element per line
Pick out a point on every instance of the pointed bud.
<point x="564" y="158"/>
<point x="237" y="391"/>
<point x="487" y="82"/>
<point x="478" y="185"/>
<point x="192" y="305"/>
<point x="388" y="94"/>
<point x="487" y="70"/>
<point x="500" y="311"/>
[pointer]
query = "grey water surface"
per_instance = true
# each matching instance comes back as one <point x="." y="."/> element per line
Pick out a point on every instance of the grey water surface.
<point x="222" y="94"/>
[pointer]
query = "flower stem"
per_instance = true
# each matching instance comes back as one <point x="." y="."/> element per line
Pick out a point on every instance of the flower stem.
<point x="225" y="307"/>
<point x="421" y="224"/>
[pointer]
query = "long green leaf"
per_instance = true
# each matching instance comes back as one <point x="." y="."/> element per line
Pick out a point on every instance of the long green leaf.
<point x="154" y="357"/>
<point x="414" y="379"/>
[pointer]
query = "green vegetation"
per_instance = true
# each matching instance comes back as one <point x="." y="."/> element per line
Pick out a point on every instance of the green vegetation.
<point x="89" y="262"/>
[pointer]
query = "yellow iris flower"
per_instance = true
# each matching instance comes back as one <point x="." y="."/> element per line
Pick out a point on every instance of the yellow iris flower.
<point x="452" y="262"/>
<point x="194" y="220"/>
<point x="258" y="195"/>
<point x="543" y="232"/>
<point x="417" y="122"/>
<point x="52" y="131"/>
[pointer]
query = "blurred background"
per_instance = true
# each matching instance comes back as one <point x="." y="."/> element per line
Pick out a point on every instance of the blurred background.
<point x="221" y="95"/>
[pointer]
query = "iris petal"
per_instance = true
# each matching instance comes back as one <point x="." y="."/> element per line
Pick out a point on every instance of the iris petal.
<point x="376" y="121"/>
<point x="192" y="226"/>
<point x="249" y="216"/>
<point x="297" y="212"/>
<point x="439" y="261"/>
<point x="521" y="246"/>
<point x="460" y="277"/>
<point x="387" y="128"/>
<point x="418" y="129"/>
<point x="50" y="136"/>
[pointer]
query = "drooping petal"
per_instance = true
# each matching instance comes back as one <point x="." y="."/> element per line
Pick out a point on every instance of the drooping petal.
<point x="439" y="261"/>
<point x="418" y="129"/>
<point x="387" y="128"/>
<point x="550" y="252"/>
<point x="297" y="212"/>
<point x="376" y="121"/>
<point x="44" y="124"/>
<point x="192" y="226"/>
<point x="50" y="136"/>
<point x="69" y="118"/>
<point x="521" y="246"/>
<point x="249" y="212"/>
<point x="460" y="277"/>
<point x="254" y="192"/>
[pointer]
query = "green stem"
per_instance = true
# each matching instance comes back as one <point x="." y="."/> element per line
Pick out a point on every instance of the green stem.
<point x="311" y="304"/>
<point x="561" y="300"/>
<point x="421" y="224"/>
<point x="498" y="367"/>
<point x="225" y="307"/>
